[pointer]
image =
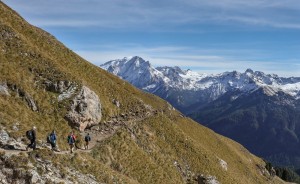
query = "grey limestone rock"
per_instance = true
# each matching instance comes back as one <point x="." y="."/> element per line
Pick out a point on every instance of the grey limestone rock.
<point x="85" y="110"/>
<point x="65" y="88"/>
<point x="31" y="103"/>
<point x="116" y="102"/>
<point x="4" y="137"/>
<point x="4" y="89"/>
<point x="7" y="142"/>
<point x="57" y="87"/>
<point x="67" y="94"/>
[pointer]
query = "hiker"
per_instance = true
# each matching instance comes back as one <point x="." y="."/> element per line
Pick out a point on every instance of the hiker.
<point x="52" y="140"/>
<point x="71" y="141"/>
<point x="87" y="139"/>
<point x="31" y="135"/>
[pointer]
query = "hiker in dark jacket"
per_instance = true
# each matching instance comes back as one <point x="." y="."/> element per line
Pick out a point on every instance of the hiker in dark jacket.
<point x="52" y="138"/>
<point x="32" y="139"/>
<point x="87" y="139"/>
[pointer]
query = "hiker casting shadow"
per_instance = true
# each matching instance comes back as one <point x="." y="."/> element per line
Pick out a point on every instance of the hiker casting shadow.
<point x="31" y="135"/>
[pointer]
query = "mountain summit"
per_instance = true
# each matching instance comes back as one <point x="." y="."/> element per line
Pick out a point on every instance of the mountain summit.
<point x="135" y="70"/>
<point x="259" y="110"/>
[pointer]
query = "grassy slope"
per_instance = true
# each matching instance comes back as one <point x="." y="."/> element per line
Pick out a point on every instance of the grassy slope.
<point x="146" y="154"/>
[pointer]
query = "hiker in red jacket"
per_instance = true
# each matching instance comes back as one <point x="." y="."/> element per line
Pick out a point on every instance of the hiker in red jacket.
<point x="71" y="141"/>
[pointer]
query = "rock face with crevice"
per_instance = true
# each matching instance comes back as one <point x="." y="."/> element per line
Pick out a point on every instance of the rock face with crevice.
<point x="66" y="89"/>
<point x="85" y="110"/>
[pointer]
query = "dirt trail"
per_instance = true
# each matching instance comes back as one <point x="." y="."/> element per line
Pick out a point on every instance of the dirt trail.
<point x="10" y="152"/>
<point x="96" y="137"/>
<point x="98" y="134"/>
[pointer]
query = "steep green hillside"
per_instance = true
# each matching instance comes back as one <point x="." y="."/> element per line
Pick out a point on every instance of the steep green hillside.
<point x="148" y="141"/>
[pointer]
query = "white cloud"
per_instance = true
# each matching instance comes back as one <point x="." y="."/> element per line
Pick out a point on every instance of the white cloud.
<point x="143" y="14"/>
<point x="216" y="62"/>
<point x="169" y="16"/>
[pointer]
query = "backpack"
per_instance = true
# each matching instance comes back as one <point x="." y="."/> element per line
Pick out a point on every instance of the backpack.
<point x="29" y="134"/>
<point x="71" y="139"/>
<point x="87" y="138"/>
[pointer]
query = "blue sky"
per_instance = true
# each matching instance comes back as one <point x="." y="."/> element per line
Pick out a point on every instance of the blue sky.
<point x="206" y="36"/>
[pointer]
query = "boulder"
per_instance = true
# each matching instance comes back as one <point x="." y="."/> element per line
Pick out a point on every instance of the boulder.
<point x="4" y="137"/>
<point x="223" y="164"/>
<point x="85" y="110"/>
<point x="4" y="89"/>
<point x="31" y="103"/>
<point x="36" y="178"/>
<point x="7" y="142"/>
<point x="116" y="102"/>
<point x="212" y="180"/>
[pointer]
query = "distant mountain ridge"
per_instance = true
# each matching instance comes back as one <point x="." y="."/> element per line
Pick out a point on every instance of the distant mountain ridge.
<point x="242" y="106"/>
<point x="164" y="81"/>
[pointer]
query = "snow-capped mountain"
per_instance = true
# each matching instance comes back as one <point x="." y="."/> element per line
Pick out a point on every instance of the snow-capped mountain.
<point x="165" y="81"/>
<point x="261" y="111"/>
<point x="134" y="70"/>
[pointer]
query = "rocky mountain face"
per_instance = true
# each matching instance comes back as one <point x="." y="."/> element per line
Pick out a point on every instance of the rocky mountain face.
<point x="185" y="88"/>
<point x="259" y="110"/>
<point x="136" y="136"/>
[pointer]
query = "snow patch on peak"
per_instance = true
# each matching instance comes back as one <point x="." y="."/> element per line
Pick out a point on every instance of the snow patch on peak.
<point x="142" y="74"/>
<point x="292" y="89"/>
<point x="270" y="91"/>
<point x="135" y="70"/>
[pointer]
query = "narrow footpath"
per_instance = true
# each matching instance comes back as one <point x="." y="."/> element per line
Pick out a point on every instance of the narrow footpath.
<point x="98" y="133"/>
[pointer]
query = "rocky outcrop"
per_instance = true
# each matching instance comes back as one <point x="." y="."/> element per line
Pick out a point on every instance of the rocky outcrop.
<point x="8" y="142"/>
<point x="4" y="137"/>
<point x="263" y="171"/>
<point x="66" y="89"/>
<point x="116" y="103"/>
<point x="38" y="170"/>
<point x="85" y="110"/>
<point x="25" y="96"/>
<point x="201" y="179"/>
<point x="67" y="94"/>
<point x="51" y="174"/>
<point x="4" y="89"/>
<point x="31" y="103"/>
<point x="190" y="177"/>
<point x="223" y="164"/>
<point x="58" y="86"/>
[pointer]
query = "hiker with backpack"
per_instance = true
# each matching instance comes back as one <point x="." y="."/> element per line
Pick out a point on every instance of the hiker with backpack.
<point x="52" y="140"/>
<point x="87" y="139"/>
<point x="71" y="141"/>
<point x="31" y="135"/>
